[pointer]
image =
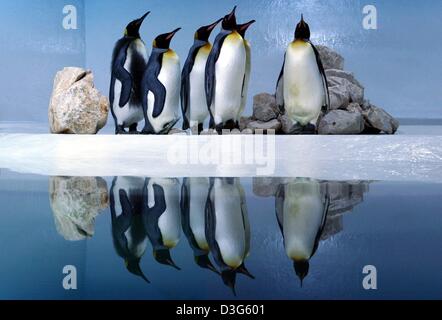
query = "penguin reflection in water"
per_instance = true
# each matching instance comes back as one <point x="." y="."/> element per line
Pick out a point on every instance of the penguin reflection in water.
<point x="302" y="90"/>
<point x="129" y="60"/>
<point x="128" y="207"/>
<point x="163" y="221"/>
<point x="226" y="76"/>
<point x="193" y="96"/>
<point x="142" y="209"/>
<point x="228" y="228"/>
<point x="194" y="194"/>
<point x="160" y="87"/>
<point x="301" y="210"/>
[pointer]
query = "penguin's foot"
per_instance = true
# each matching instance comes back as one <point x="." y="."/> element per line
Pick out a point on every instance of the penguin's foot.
<point x="133" y="129"/>
<point x="200" y="128"/>
<point x="297" y="129"/>
<point x="147" y="131"/>
<point x="120" y="130"/>
<point x="219" y="128"/>
<point x="231" y="125"/>
<point x="309" y="129"/>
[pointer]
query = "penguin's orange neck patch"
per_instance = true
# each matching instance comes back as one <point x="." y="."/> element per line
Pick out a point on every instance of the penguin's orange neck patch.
<point x="299" y="43"/>
<point x="170" y="54"/>
<point x="207" y="48"/>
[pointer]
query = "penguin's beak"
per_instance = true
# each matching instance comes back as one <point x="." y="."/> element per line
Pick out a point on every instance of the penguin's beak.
<point x="244" y="27"/>
<point x="213" y="25"/>
<point x="170" y="35"/>
<point x="141" y="20"/>
<point x="232" y="16"/>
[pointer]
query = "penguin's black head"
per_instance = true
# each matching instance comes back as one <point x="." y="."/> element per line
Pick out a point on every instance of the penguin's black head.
<point x="133" y="28"/>
<point x="302" y="30"/>
<point x="204" y="33"/>
<point x="229" y="21"/>
<point x="302" y="268"/>
<point x="163" y="40"/>
<point x="242" y="28"/>
<point x="163" y="257"/>
<point x="133" y="266"/>
<point x="229" y="279"/>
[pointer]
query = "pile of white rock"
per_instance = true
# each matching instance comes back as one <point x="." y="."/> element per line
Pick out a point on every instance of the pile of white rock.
<point x="350" y="112"/>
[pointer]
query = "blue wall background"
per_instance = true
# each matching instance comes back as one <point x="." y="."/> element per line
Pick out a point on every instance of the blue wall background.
<point x="34" y="45"/>
<point x="400" y="63"/>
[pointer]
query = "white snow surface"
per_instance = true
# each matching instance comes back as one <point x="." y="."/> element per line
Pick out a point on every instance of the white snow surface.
<point x="387" y="158"/>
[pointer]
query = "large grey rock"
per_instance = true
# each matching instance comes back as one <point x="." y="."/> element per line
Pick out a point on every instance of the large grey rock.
<point x="343" y="74"/>
<point x="381" y="120"/>
<point x="244" y="122"/>
<point x="265" y="126"/>
<point x="339" y="97"/>
<point x="287" y="125"/>
<point x="75" y="203"/>
<point x="330" y="59"/>
<point x="355" y="107"/>
<point x="343" y="195"/>
<point x="264" y="107"/>
<point x="354" y="92"/>
<point x="342" y="122"/>
<point x="266" y="186"/>
<point x="76" y="106"/>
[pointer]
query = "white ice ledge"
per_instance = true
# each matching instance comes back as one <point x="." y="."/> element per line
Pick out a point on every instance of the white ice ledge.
<point x="388" y="158"/>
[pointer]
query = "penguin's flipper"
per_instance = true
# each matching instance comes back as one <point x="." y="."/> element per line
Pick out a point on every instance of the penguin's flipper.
<point x="279" y="205"/>
<point x="123" y="76"/>
<point x="323" y="223"/>
<point x="150" y="82"/>
<point x="160" y="201"/>
<point x="159" y="92"/>
<point x="245" y="218"/>
<point x="324" y="78"/>
<point x="280" y="89"/>
<point x="185" y="81"/>
<point x="210" y="67"/>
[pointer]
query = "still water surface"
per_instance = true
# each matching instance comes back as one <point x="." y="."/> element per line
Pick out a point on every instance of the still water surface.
<point x="221" y="238"/>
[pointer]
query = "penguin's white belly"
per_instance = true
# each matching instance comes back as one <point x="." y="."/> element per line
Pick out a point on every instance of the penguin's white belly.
<point x="170" y="221"/>
<point x="246" y="78"/>
<point x="230" y="231"/>
<point x="198" y="196"/>
<point x="134" y="245"/>
<point x="198" y="103"/>
<point x="230" y="71"/>
<point x="304" y="93"/>
<point x="303" y="214"/>
<point x="129" y="114"/>
<point x="170" y="77"/>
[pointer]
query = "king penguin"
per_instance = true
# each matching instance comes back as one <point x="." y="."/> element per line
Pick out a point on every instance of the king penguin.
<point x="242" y="29"/>
<point x="302" y="90"/>
<point x="128" y="232"/>
<point x="129" y="60"/>
<point x="193" y="96"/>
<point x="194" y="194"/>
<point x="160" y="87"/>
<point x="228" y="228"/>
<point x="301" y="211"/>
<point x="163" y="221"/>
<point x="225" y="71"/>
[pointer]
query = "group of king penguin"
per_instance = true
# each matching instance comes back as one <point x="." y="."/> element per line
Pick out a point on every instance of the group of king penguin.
<point x="213" y="214"/>
<point x="213" y="83"/>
